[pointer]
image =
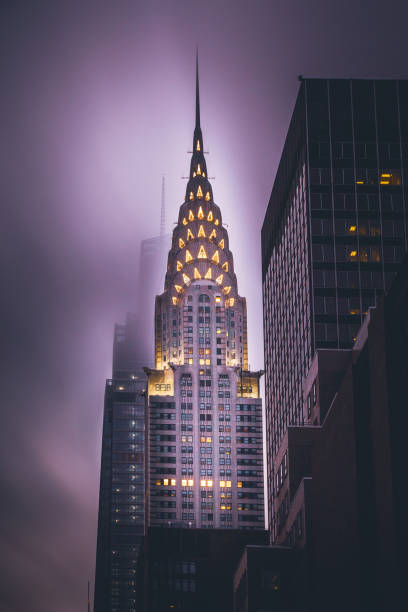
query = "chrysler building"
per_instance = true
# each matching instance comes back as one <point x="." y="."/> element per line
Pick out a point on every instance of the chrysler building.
<point x="204" y="412"/>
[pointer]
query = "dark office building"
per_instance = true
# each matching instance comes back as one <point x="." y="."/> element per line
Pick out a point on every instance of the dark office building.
<point x="334" y="233"/>
<point x="121" y="495"/>
<point x="270" y="579"/>
<point x="192" y="569"/>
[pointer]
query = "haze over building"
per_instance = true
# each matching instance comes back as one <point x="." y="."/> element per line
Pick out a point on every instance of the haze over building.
<point x="205" y="466"/>
<point x="121" y="518"/>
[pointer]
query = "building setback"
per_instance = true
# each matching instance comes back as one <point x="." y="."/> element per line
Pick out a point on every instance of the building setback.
<point x="334" y="233"/>
<point x="204" y="417"/>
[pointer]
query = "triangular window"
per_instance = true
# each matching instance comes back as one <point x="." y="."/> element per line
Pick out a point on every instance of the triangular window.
<point x="201" y="253"/>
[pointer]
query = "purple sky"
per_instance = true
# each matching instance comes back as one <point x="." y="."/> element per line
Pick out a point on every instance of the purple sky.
<point x="97" y="102"/>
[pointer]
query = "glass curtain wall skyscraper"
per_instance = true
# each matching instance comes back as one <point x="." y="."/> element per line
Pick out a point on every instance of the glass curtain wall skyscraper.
<point x="334" y="233"/>
<point x="204" y="417"/>
<point x="121" y="496"/>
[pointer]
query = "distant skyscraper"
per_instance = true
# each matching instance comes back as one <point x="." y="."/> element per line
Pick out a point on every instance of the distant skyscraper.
<point x="334" y="233"/>
<point x="205" y="465"/>
<point x="153" y="257"/>
<point x="121" y="498"/>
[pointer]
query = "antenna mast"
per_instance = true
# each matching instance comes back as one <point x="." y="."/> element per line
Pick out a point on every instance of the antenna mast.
<point x="163" y="209"/>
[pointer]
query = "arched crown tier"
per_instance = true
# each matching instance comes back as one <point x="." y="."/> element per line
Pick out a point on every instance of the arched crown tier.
<point x="200" y="245"/>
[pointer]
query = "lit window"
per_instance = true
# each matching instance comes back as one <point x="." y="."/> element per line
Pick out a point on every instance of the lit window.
<point x="228" y="483"/>
<point x="219" y="278"/>
<point x="184" y="483"/>
<point x="209" y="439"/>
<point x="201" y="361"/>
<point x="207" y="199"/>
<point x="210" y="215"/>
<point x="352" y="229"/>
<point x="158" y="483"/>
<point x="222" y="483"/>
<point x="221" y="244"/>
<point x="178" y="288"/>
<point x="181" y="243"/>
<point x="190" y="483"/>
<point x="225" y="266"/>
<point x="189" y="257"/>
<point x="226" y="290"/>
<point x="173" y="482"/>
<point x="196" y="273"/>
<point x="212" y="235"/>
<point x="199" y="192"/>
<point x="200" y="214"/>
<point x="216" y="257"/>
<point x="186" y="279"/>
<point x="190" y="215"/>
<point x="209" y="483"/>
<point x="208" y="362"/>
<point x="166" y="482"/>
<point x="218" y="299"/>
<point x="174" y="299"/>
<point x="201" y="232"/>
<point x="179" y="266"/>
<point x="231" y="301"/>
<point x="190" y="235"/>
<point x="203" y="483"/>
<point x="198" y="146"/>
<point x="190" y="361"/>
<point x="198" y="169"/>
<point x="185" y="221"/>
<point x="191" y="195"/>
<point x="201" y="253"/>
<point x="216" y="222"/>
<point x="239" y="484"/>
<point x="360" y="182"/>
<point x="208" y="274"/>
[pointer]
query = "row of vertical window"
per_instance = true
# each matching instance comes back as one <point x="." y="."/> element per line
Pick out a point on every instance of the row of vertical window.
<point x="390" y="202"/>
<point x="362" y="150"/>
<point x="366" y="228"/>
<point x="362" y="176"/>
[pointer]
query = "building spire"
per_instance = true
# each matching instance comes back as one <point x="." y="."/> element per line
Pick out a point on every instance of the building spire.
<point x="163" y="210"/>
<point x="197" y="117"/>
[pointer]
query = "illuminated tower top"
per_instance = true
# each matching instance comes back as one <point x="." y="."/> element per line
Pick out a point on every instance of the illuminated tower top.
<point x="200" y="246"/>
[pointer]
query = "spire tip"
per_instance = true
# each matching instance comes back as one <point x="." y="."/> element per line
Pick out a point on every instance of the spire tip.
<point x="197" y="122"/>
